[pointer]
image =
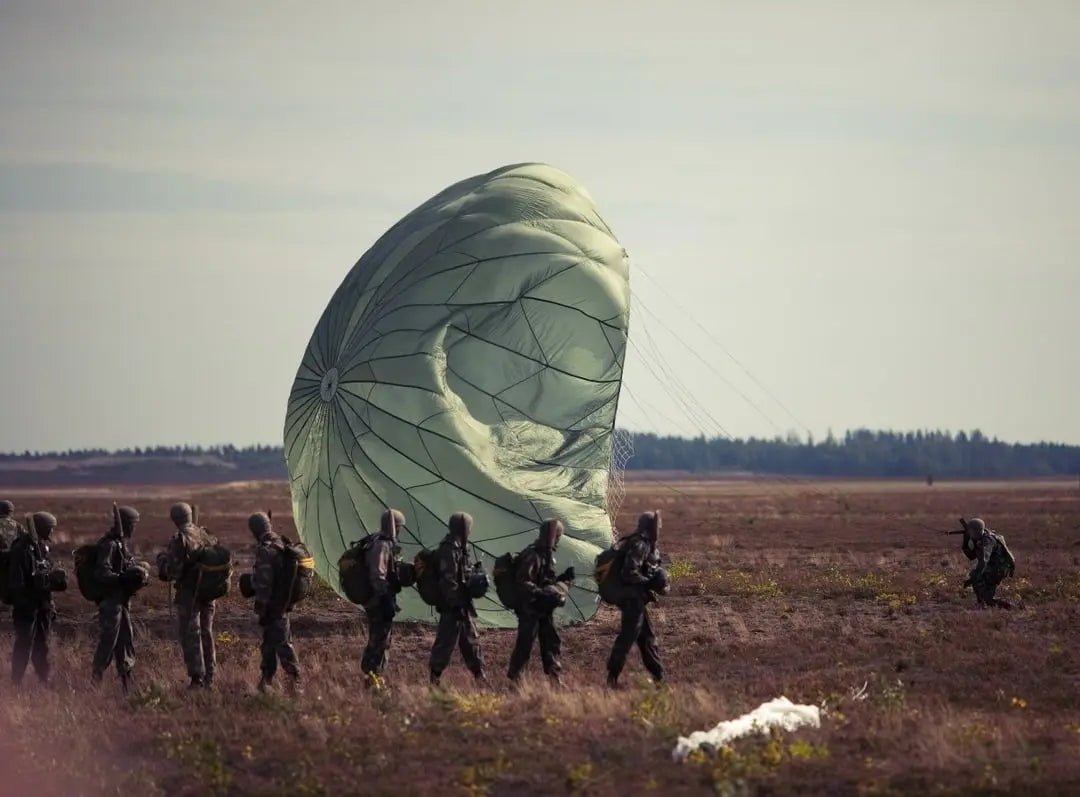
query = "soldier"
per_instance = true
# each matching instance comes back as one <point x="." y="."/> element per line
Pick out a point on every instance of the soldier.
<point x="31" y="594"/>
<point x="9" y="526"/>
<point x="993" y="562"/>
<point x="382" y="560"/>
<point x="195" y="618"/>
<point x="116" y="572"/>
<point x="642" y="578"/>
<point x="272" y="605"/>
<point x="455" y="607"/>
<point x="538" y="593"/>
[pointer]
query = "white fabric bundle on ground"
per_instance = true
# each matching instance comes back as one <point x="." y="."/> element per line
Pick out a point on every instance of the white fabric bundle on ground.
<point x="780" y="712"/>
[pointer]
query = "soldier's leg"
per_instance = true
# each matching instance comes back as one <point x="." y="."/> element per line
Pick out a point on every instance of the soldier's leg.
<point x="526" y="634"/>
<point x="550" y="645"/>
<point x="187" y="622"/>
<point x="125" y="644"/>
<point x="379" y="628"/>
<point x="285" y="651"/>
<point x="443" y="647"/>
<point x="22" y="617"/>
<point x="469" y="644"/>
<point x="206" y="635"/>
<point x="40" y="653"/>
<point x="633" y="615"/>
<point x="268" y="649"/>
<point x="646" y="641"/>
<point x="109" y="612"/>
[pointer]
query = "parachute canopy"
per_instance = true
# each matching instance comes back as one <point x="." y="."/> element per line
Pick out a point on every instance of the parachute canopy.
<point x="470" y="361"/>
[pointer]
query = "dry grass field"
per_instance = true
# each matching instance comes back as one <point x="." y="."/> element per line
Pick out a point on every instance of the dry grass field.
<point x="808" y="590"/>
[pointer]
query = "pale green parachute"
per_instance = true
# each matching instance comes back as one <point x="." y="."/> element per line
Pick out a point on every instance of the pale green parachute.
<point x="470" y="361"/>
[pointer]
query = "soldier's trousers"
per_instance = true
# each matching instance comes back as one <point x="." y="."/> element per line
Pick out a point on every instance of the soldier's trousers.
<point x="635" y="627"/>
<point x="380" y="628"/>
<point x="195" y="626"/>
<point x="277" y="647"/>
<point x="32" y="627"/>
<point x="985" y="592"/>
<point x="531" y="626"/>
<point x="115" y="637"/>
<point x="456" y="627"/>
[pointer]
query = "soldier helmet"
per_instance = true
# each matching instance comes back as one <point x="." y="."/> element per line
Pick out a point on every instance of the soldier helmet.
<point x="180" y="513"/>
<point x="129" y="516"/>
<point x="259" y="524"/>
<point x="390" y="522"/>
<point x="460" y="525"/>
<point x="551" y="531"/>
<point x="6" y="508"/>
<point x="44" y="523"/>
<point x="976" y="525"/>
<point x="649" y="524"/>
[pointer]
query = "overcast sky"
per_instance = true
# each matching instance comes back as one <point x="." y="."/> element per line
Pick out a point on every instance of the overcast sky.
<point x="873" y="208"/>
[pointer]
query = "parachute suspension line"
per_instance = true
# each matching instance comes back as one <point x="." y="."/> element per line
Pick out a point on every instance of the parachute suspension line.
<point x="719" y="344"/>
<point x="622" y="449"/>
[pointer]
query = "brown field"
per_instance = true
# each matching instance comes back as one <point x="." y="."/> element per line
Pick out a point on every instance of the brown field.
<point x="808" y="590"/>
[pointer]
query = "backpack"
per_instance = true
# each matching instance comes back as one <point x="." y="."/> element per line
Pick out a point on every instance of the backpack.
<point x="426" y="565"/>
<point x="353" y="574"/>
<point x="213" y="567"/>
<point x="1001" y="559"/>
<point x="5" y="567"/>
<point x="504" y="573"/>
<point x="608" y="573"/>
<point x="86" y="573"/>
<point x="298" y="572"/>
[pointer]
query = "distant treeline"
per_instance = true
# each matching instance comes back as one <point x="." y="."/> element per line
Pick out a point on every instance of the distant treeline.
<point x="859" y="453"/>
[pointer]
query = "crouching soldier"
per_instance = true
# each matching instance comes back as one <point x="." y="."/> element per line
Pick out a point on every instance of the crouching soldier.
<point x="195" y="618"/>
<point x="539" y="593"/>
<point x="993" y="562"/>
<point x="642" y="579"/>
<point x="382" y="560"/>
<point x="455" y="607"/>
<point x="120" y="577"/>
<point x="272" y="604"/>
<point x="31" y="583"/>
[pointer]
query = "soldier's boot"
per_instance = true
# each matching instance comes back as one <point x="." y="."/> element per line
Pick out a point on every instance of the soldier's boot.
<point x="613" y="681"/>
<point x="196" y="682"/>
<point x="208" y="681"/>
<point x="95" y="678"/>
<point x="127" y="682"/>
<point x="292" y="686"/>
<point x="555" y="677"/>
<point x="481" y="680"/>
<point x="266" y="682"/>
<point x="435" y="678"/>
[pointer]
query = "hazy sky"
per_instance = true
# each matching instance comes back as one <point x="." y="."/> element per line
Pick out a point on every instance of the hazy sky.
<point x="874" y="207"/>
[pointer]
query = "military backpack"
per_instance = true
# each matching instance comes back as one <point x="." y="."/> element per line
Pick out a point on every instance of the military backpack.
<point x="354" y="576"/>
<point x="5" y="567"/>
<point x="426" y="567"/>
<point x="504" y="574"/>
<point x="213" y="568"/>
<point x="298" y="572"/>
<point x="608" y="573"/>
<point x="86" y="573"/>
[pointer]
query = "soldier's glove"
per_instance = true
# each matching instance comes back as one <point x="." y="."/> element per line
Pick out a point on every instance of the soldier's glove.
<point x="659" y="583"/>
<point x="567" y="576"/>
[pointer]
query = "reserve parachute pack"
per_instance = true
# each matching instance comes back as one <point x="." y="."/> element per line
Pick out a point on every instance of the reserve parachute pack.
<point x="608" y="573"/>
<point x="214" y="568"/>
<point x="299" y="571"/>
<point x="353" y="573"/>
<point x="426" y="567"/>
<point x="504" y="574"/>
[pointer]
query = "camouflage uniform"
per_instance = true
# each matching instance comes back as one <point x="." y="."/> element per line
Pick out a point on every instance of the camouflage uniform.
<point x="640" y="565"/>
<point x="993" y="563"/>
<point x="535" y="571"/>
<point x="195" y="618"/>
<point x="33" y="611"/>
<point x="456" y="612"/>
<point x="10" y="528"/>
<point x="382" y="560"/>
<point x="272" y="603"/>
<point x="116" y="637"/>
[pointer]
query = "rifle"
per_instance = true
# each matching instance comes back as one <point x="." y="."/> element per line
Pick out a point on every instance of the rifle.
<point x="963" y="530"/>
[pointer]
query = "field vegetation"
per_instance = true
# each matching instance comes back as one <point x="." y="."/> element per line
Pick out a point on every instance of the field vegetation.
<point x="833" y="594"/>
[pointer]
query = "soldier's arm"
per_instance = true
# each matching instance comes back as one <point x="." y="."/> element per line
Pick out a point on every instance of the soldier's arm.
<point x="448" y="584"/>
<point x="985" y="549"/>
<point x="379" y="567"/>
<point x="967" y="545"/>
<point x="176" y="556"/>
<point x="634" y="563"/>
<point x="262" y="577"/>
<point x="104" y="572"/>
<point x="528" y="573"/>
